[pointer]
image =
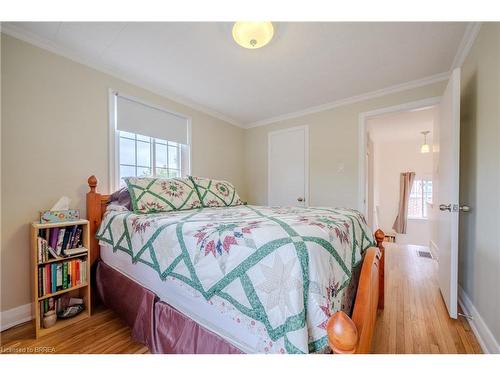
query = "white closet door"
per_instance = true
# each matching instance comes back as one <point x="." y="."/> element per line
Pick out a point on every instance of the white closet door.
<point x="288" y="155"/>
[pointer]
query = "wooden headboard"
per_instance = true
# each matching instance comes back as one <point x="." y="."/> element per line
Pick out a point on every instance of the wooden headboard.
<point x="96" y="206"/>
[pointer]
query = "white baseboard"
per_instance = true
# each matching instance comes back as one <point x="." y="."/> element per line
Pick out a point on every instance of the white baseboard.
<point x="15" y="316"/>
<point x="481" y="331"/>
<point x="434" y="249"/>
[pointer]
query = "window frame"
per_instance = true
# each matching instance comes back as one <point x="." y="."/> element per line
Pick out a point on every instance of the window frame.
<point x="185" y="151"/>
<point x="423" y="201"/>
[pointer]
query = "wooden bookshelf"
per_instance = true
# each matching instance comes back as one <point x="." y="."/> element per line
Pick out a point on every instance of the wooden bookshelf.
<point x="79" y="291"/>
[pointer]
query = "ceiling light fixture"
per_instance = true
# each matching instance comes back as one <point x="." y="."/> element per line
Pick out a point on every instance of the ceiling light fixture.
<point x="253" y="35"/>
<point x="425" y="148"/>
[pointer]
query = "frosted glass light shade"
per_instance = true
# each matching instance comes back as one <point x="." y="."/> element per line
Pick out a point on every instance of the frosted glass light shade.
<point x="253" y="35"/>
<point x="425" y="149"/>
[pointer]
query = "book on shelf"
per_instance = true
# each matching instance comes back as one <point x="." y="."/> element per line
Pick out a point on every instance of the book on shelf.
<point x="60" y="238"/>
<point x="56" y="277"/>
<point x="72" y="237"/>
<point x="65" y="241"/>
<point x="59" y="284"/>
<point x="54" y="236"/>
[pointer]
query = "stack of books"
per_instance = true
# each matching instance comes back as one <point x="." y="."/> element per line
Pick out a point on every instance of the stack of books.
<point x="62" y="275"/>
<point x="59" y="242"/>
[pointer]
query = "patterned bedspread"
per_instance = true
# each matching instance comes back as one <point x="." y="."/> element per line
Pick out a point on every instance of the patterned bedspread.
<point x="287" y="268"/>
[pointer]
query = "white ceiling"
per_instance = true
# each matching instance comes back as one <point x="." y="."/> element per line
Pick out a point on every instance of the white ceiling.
<point x="305" y="65"/>
<point x="402" y="126"/>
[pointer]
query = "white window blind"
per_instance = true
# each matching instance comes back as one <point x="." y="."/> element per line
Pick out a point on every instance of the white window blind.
<point x="139" y="118"/>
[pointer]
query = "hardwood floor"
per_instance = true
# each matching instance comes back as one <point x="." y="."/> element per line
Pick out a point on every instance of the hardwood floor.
<point x="103" y="332"/>
<point x="414" y="319"/>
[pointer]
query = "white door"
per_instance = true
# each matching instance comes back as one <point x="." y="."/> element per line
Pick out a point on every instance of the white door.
<point x="288" y="167"/>
<point x="447" y="192"/>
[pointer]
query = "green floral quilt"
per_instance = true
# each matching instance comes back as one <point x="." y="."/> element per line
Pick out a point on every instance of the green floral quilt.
<point x="285" y="268"/>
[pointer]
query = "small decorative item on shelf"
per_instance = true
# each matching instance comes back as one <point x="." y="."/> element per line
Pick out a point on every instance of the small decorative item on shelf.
<point x="49" y="318"/>
<point x="70" y="307"/>
<point x="50" y="216"/>
<point x="60" y="212"/>
<point x="71" y="311"/>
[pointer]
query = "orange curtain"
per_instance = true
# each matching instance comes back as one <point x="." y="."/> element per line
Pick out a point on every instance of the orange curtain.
<point x="405" y="184"/>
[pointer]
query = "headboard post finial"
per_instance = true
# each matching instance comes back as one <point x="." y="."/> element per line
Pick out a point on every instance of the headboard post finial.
<point x="92" y="181"/>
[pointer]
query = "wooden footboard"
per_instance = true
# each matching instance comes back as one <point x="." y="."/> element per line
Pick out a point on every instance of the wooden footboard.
<point x="346" y="335"/>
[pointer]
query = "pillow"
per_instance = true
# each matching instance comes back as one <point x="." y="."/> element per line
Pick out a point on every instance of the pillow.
<point x="121" y="198"/>
<point x="216" y="193"/>
<point x="150" y="195"/>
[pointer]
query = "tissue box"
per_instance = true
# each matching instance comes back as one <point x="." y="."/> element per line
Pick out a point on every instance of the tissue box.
<point x="59" y="216"/>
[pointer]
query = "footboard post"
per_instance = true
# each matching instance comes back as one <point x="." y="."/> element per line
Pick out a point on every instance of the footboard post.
<point x="342" y="334"/>
<point x="379" y="237"/>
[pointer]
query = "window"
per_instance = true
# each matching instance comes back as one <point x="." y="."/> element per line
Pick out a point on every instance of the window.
<point x="144" y="156"/>
<point x="420" y="198"/>
<point x="148" y="141"/>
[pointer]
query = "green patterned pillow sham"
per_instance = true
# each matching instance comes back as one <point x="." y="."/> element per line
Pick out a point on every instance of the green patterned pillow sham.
<point x="150" y="195"/>
<point x="216" y="193"/>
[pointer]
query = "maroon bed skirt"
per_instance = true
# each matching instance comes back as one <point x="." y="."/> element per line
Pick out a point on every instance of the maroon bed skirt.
<point x="153" y="322"/>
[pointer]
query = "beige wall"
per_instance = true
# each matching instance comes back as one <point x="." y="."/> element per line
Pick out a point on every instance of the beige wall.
<point x="479" y="254"/>
<point x="333" y="149"/>
<point x="55" y="134"/>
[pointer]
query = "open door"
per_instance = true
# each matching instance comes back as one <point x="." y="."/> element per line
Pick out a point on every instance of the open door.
<point x="448" y="192"/>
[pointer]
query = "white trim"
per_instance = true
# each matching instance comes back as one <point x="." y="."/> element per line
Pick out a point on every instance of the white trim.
<point x="114" y="141"/>
<point x="362" y="139"/>
<point x="16" y="32"/>
<point x="434" y="249"/>
<point x="15" y="316"/>
<point x="353" y="99"/>
<point x="306" y="160"/>
<point x="483" y="334"/>
<point x="466" y="44"/>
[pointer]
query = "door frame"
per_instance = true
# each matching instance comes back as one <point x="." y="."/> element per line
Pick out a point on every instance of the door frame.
<point x="362" y="138"/>
<point x="306" y="159"/>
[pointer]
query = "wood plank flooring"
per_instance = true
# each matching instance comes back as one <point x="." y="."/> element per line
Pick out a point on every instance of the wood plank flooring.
<point x="103" y="332"/>
<point x="414" y="319"/>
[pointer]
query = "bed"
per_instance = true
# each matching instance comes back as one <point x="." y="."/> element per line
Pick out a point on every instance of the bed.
<point x="239" y="279"/>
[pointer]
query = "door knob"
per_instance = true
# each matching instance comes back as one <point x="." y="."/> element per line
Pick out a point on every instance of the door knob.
<point x="445" y="207"/>
<point x="464" y="208"/>
<point x="300" y="199"/>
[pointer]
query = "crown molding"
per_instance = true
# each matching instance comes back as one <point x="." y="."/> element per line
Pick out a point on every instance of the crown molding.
<point x="466" y="44"/>
<point x="31" y="38"/>
<point x="353" y="99"/>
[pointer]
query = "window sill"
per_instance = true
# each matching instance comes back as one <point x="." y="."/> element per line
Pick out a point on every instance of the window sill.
<point x="418" y="218"/>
